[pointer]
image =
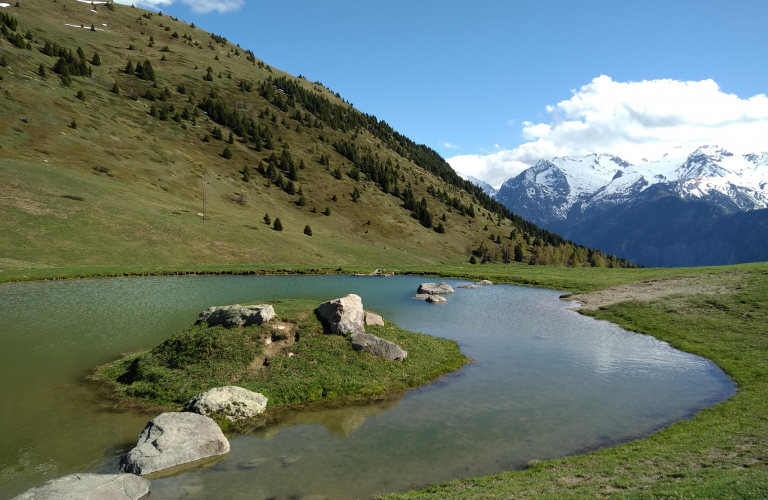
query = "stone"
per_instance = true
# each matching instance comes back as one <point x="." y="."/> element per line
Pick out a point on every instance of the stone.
<point x="235" y="403"/>
<point x="344" y="315"/>
<point x="484" y="283"/>
<point x="371" y="343"/>
<point x="237" y="315"/>
<point x="435" y="299"/>
<point x="373" y="319"/>
<point x="435" y="288"/>
<point x="172" y="439"/>
<point x="89" y="487"/>
<point x="467" y="286"/>
<point x="420" y="296"/>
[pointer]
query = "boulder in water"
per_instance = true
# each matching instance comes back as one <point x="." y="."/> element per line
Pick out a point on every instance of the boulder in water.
<point x="89" y="487"/>
<point x="235" y="403"/>
<point x="172" y="439"/>
<point x="441" y="288"/>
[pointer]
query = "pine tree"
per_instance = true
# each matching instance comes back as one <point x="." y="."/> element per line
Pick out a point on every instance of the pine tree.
<point x="130" y="69"/>
<point x="278" y="226"/>
<point x="41" y="71"/>
<point x="247" y="174"/>
<point x="227" y="153"/>
<point x="231" y="139"/>
<point x="518" y="253"/>
<point x="327" y="211"/>
<point x="267" y="220"/>
<point x="81" y="95"/>
<point x="472" y="260"/>
<point x="308" y="230"/>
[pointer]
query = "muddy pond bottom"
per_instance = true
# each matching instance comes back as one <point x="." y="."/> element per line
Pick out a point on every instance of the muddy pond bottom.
<point x="546" y="382"/>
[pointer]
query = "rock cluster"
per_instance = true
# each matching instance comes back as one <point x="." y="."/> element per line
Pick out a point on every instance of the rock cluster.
<point x="237" y="315"/>
<point x="89" y="487"/>
<point x="371" y="343"/>
<point x="441" y="288"/>
<point x="235" y="403"/>
<point x="344" y="315"/>
<point x="172" y="439"/>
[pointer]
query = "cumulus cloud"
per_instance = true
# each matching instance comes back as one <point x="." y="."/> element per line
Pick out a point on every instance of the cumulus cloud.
<point x="199" y="6"/>
<point x="633" y="120"/>
<point x="451" y="146"/>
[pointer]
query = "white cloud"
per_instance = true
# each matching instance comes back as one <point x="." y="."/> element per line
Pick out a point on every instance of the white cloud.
<point x="200" y="6"/>
<point x="451" y="146"/>
<point x="633" y="120"/>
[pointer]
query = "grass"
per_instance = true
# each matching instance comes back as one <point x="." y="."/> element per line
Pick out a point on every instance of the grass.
<point x="320" y="367"/>
<point x="138" y="179"/>
<point x="721" y="453"/>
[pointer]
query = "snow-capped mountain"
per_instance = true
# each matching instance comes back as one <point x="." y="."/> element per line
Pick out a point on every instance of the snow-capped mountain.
<point x="567" y="188"/>
<point x="653" y="211"/>
<point x="487" y="188"/>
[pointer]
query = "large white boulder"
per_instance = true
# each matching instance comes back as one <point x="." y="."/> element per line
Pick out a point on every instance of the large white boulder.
<point x="237" y="315"/>
<point x="441" y="288"/>
<point x="362" y="341"/>
<point x="89" y="487"/>
<point x="344" y="315"/>
<point x="235" y="403"/>
<point x="172" y="439"/>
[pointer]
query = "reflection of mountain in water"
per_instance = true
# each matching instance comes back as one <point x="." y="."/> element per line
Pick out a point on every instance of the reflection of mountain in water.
<point x="341" y="421"/>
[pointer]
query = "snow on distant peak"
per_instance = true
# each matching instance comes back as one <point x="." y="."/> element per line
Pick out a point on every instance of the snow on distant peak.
<point x="487" y="188"/>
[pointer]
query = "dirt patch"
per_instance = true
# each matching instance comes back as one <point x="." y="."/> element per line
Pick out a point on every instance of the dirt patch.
<point x="651" y="290"/>
<point x="280" y="336"/>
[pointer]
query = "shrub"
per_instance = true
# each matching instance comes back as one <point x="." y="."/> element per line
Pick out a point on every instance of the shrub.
<point x="81" y="95"/>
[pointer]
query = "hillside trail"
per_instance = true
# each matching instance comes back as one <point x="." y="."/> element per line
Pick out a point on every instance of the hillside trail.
<point x="647" y="291"/>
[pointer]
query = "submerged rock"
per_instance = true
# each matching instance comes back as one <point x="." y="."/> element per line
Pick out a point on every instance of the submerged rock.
<point x="435" y="299"/>
<point x="172" y="439"/>
<point x="467" y="286"/>
<point x="484" y="282"/>
<point x="420" y="296"/>
<point x="371" y="343"/>
<point x="373" y="319"/>
<point x="344" y="315"/>
<point x="237" y="315"/>
<point x="435" y="288"/>
<point x="235" y="403"/>
<point x="89" y="487"/>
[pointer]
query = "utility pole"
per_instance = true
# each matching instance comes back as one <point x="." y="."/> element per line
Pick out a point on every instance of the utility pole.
<point x="205" y="201"/>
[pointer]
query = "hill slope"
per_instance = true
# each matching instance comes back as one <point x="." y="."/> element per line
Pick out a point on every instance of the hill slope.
<point x="104" y="158"/>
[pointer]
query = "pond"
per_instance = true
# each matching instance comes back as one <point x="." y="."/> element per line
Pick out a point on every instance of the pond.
<point x="545" y="382"/>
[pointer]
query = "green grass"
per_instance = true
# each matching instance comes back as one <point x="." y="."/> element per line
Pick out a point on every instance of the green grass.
<point x="721" y="453"/>
<point x="322" y="367"/>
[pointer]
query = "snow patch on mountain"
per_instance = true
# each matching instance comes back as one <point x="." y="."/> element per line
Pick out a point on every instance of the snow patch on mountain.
<point x="487" y="188"/>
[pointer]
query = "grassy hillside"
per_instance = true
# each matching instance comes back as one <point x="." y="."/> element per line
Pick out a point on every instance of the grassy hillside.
<point x="89" y="176"/>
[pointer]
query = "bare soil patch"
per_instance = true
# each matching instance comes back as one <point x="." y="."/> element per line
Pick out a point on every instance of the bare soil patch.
<point x="648" y="291"/>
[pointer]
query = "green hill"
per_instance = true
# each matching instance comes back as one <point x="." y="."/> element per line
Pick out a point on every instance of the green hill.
<point x="114" y="117"/>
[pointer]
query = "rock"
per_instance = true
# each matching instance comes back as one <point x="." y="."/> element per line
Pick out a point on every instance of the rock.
<point x="237" y="315"/>
<point x="373" y="319"/>
<point x="172" y="439"/>
<point x="483" y="283"/>
<point x="466" y="286"/>
<point x="344" y="315"/>
<point x="371" y="343"/>
<point x="89" y="487"/>
<point x="420" y="296"/>
<point x="435" y="288"/>
<point x="235" y="403"/>
<point x="435" y="299"/>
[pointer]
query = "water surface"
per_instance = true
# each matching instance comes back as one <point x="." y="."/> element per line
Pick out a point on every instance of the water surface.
<point x="546" y="382"/>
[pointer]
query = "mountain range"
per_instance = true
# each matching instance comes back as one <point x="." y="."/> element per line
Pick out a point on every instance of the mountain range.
<point x="702" y="208"/>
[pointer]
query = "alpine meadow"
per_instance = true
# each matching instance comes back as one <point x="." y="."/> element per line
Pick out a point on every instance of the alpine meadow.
<point x="135" y="144"/>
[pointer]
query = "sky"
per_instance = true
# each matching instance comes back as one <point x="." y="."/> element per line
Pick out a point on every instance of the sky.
<point x="495" y="86"/>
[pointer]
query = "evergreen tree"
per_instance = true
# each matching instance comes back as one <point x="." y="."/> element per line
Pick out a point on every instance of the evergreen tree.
<point x="130" y="69"/>
<point x="81" y="95"/>
<point x="227" y="153"/>
<point x="267" y="220"/>
<point x="518" y="253"/>
<point x="327" y="211"/>
<point x="278" y="226"/>
<point x="231" y="139"/>
<point x="440" y="228"/>
<point x="41" y="70"/>
<point x="472" y="260"/>
<point x="308" y="230"/>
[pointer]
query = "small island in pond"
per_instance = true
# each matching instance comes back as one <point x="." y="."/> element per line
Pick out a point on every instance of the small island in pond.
<point x="301" y="355"/>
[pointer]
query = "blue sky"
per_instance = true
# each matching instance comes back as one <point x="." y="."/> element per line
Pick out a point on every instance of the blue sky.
<point x="471" y="74"/>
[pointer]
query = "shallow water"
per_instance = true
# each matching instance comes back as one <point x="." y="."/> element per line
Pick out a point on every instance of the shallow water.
<point x="546" y="382"/>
